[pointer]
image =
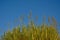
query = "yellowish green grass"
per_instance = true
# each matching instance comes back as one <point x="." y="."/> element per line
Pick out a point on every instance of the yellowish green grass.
<point x="33" y="32"/>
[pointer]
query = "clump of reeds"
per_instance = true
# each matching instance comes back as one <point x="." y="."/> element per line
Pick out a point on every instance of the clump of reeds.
<point x="33" y="31"/>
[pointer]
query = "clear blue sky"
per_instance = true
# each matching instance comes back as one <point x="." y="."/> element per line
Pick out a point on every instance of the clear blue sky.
<point x="10" y="10"/>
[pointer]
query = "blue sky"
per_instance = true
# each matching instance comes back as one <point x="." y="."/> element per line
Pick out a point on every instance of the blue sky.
<point x="11" y="10"/>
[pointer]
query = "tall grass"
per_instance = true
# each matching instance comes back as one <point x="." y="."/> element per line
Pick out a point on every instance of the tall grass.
<point x="33" y="32"/>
